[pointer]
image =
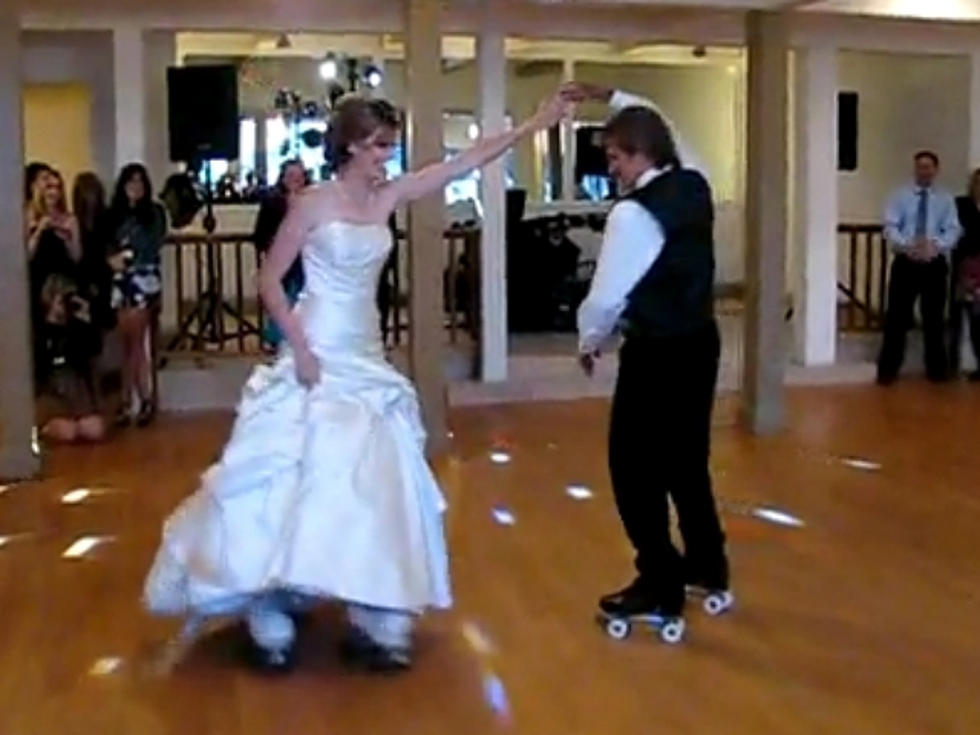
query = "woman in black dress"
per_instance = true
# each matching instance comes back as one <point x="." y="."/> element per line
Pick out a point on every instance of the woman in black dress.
<point x="89" y="207"/>
<point x="965" y="304"/>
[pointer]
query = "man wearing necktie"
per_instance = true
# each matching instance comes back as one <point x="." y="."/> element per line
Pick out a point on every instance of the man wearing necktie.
<point x="654" y="283"/>
<point x="922" y="227"/>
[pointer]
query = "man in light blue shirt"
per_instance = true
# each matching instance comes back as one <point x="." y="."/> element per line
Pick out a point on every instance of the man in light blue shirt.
<point x="922" y="227"/>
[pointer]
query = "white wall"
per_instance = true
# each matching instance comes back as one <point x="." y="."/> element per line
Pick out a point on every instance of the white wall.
<point x="905" y="103"/>
<point x="83" y="57"/>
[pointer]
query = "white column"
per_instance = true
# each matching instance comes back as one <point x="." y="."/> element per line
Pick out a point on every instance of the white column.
<point x="815" y="210"/>
<point x="568" y="142"/>
<point x="974" y="147"/>
<point x="17" y="460"/>
<point x="493" y="253"/>
<point x="766" y="217"/>
<point x="426" y="217"/>
<point x="129" y="71"/>
<point x="160" y="53"/>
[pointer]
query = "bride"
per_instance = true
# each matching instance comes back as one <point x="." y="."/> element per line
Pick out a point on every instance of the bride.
<point x="322" y="490"/>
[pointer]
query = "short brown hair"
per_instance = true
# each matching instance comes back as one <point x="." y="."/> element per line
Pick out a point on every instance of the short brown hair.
<point x="642" y="130"/>
<point x="355" y="119"/>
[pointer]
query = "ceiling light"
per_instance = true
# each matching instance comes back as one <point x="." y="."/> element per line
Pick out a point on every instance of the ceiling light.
<point x="328" y="68"/>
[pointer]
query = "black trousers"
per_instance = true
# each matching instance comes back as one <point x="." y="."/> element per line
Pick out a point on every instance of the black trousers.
<point x="659" y="444"/>
<point x="911" y="280"/>
<point x="963" y="311"/>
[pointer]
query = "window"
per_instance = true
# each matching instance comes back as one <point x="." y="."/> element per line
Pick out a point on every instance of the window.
<point x="284" y="141"/>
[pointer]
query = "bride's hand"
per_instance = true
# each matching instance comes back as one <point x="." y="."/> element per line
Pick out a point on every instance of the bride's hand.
<point x="307" y="368"/>
<point x="552" y="111"/>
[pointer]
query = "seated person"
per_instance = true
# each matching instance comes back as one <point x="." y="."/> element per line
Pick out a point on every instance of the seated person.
<point x="69" y="344"/>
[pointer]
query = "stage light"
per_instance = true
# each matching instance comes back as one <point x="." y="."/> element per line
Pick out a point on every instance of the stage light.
<point x="373" y="77"/>
<point x="328" y="68"/>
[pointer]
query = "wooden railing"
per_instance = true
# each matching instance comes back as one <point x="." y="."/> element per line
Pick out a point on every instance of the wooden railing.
<point x="211" y="304"/>
<point x="863" y="263"/>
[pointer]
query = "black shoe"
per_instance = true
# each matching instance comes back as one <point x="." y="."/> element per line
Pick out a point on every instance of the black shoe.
<point x="122" y="419"/>
<point x="636" y="600"/>
<point x="974" y="377"/>
<point x="885" y="380"/>
<point x="359" y="651"/>
<point x="938" y="378"/>
<point x="146" y="413"/>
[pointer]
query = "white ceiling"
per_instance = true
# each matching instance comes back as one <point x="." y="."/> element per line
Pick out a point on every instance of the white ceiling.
<point x="957" y="10"/>
<point x="965" y="10"/>
<point x="925" y="9"/>
<point x="454" y="47"/>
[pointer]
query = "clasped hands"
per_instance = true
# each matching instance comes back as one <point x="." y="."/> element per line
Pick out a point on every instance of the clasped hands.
<point x="923" y="250"/>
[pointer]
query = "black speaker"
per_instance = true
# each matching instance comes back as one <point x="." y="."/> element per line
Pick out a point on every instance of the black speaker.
<point x="203" y="113"/>
<point x="847" y="131"/>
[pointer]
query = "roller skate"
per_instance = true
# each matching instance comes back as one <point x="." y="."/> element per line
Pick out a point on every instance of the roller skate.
<point x="271" y="640"/>
<point x="359" y="651"/>
<point x="620" y="611"/>
<point x="715" y="599"/>
<point x="711" y="588"/>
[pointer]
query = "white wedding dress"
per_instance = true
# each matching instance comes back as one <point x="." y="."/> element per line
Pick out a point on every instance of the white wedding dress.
<point x="322" y="492"/>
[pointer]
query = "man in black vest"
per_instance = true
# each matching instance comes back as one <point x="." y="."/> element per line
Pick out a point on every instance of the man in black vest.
<point x="654" y="282"/>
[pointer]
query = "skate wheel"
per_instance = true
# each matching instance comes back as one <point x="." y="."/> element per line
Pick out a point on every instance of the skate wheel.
<point x="672" y="632"/>
<point x="618" y="628"/>
<point x="718" y="602"/>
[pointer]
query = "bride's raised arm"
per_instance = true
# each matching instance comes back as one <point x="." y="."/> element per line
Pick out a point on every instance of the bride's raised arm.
<point x="433" y="178"/>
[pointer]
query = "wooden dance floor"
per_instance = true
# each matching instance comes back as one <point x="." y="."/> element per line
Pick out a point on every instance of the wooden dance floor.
<point x="863" y="620"/>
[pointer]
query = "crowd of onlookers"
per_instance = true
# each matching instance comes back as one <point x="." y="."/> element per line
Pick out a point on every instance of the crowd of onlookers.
<point x="94" y="266"/>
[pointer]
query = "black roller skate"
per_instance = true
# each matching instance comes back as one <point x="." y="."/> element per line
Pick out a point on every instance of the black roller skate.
<point x="716" y="599"/>
<point x="619" y="611"/>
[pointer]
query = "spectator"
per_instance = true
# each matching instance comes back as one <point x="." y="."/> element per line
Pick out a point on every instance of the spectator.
<point x="32" y="173"/>
<point x="292" y="180"/>
<point x="53" y="246"/>
<point x="921" y="225"/>
<point x="966" y="278"/>
<point x="138" y="227"/>
<point x="69" y="403"/>
<point x="89" y="207"/>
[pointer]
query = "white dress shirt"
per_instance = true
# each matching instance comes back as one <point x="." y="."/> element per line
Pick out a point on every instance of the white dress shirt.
<point x="942" y="221"/>
<point x="631" y="243"/>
